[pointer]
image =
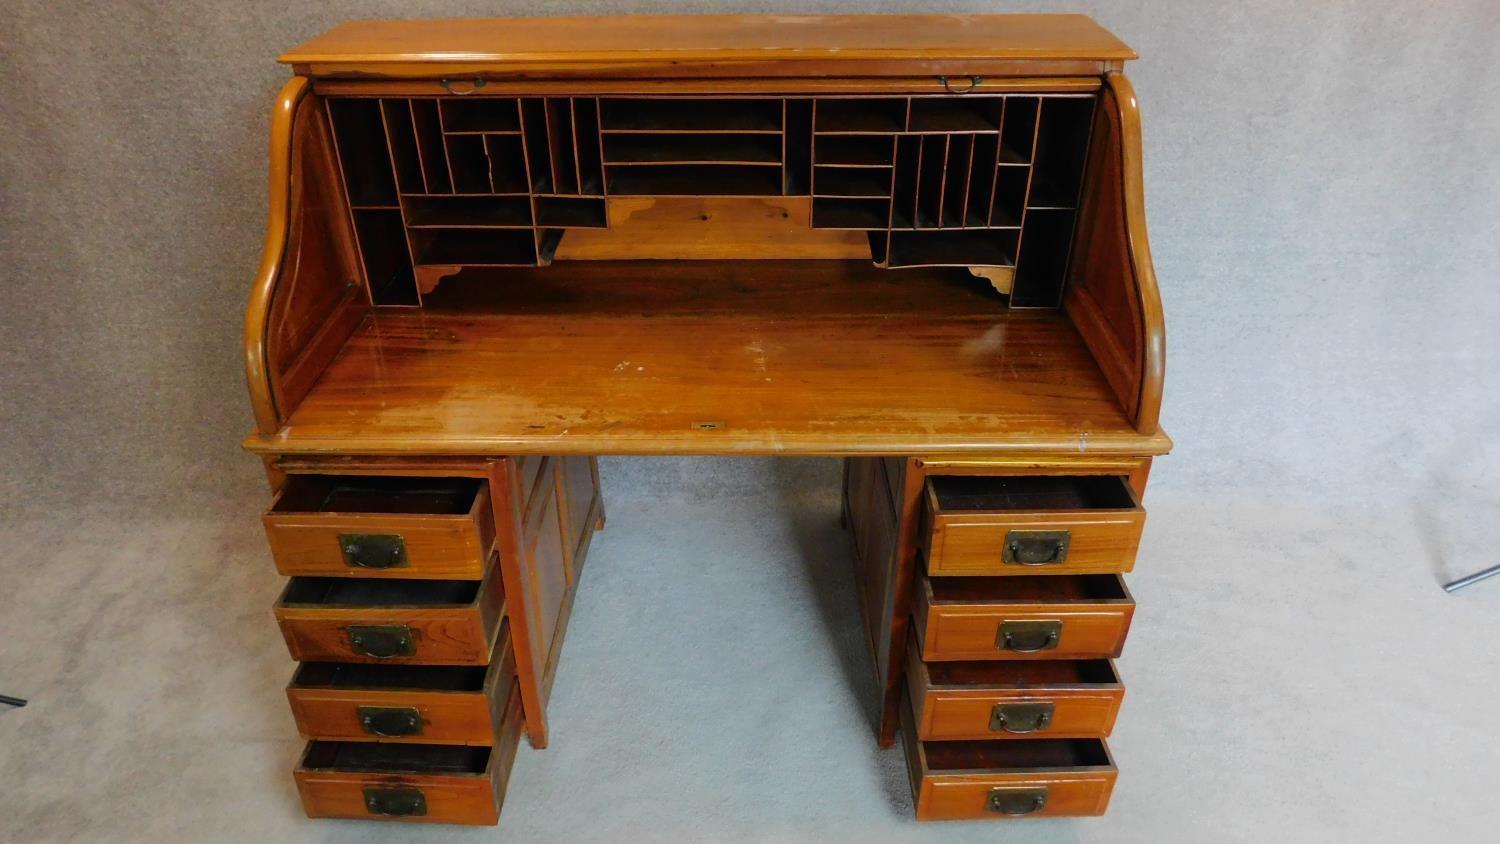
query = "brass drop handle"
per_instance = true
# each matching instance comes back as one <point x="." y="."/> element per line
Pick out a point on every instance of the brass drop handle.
<point x="475" y="85"/>
<point x="390" y="721"/>
<point x="373" y="550"/>
<point x="1016" y="801"/>
<point x="1021" y="717"/>
<point x="1026" y="637"/>
<point x="382" y="641"/>
<point x="1036" y="547"/>
<point x="974" y="82"/>
<point x="396" y="802"/>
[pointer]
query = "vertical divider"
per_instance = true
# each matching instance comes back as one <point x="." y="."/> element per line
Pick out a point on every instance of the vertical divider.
<point x="1036" y="128"/>
<point x="427" y="124"/>
<point x="558" y="117"/>
<point x="917" y="189"/>
<point x="551" y="135"/>
<point x="989" y="211"/>
<point x="489" y="163"/>
<point x="588" y="146"/>
<point x="907" y="165"/>
<point x="983" y="167"/>
<point x="784" y="135"/>
<point x="411" y="112"/>
<point x="401" y="143"/>
<point x="931" y="181"/>
<point x="534" y="140"/>
<point x="390" y="148"/>
<point x="536" y="149"/>
<point x="956" y="178"/>
<point x="599" y="147"/>
<point x="968" y="176"/>
<point x="942" y="179"/>
<point x="525" y="117"/>
<point x="890" y="213"/>
<point x="573" y="139"/>
<point x="338" y="158"/>
<point x="443" y="136"/>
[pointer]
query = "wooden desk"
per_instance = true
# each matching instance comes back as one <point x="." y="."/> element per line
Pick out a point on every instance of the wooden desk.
<point x="500" y="249"/>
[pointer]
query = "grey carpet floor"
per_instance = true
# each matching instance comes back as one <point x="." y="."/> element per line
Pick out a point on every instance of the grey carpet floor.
<point x="1294" y="673"/>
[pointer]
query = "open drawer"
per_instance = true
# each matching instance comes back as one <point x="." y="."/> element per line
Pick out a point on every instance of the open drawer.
<point x="411" y="782"/>
<point x="427" y="704"/>
<point x="1013" y="699"/>
<point x="1027" y="524"/>
<point x="431" y="622"/>
<point x="1040" y="617"/>
<point x="352" y="526"/>
<point x="1045" y="778"/>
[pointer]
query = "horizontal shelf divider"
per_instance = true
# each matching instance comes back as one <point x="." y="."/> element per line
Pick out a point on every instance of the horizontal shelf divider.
<point x="468" y="211"/>
<point x="691" y="114"/>
<point x="695" y="180"/>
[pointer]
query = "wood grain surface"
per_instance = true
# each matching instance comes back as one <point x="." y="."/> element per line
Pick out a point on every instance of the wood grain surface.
<point x="755" y="357"/>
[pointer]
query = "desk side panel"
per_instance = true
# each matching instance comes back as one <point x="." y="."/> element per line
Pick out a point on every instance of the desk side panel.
<point x="1111" y="295"/>
<point x="307" y="298"/>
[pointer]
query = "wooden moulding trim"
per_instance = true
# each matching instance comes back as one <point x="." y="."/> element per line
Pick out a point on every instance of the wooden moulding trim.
<point x="1053" y="465"/>
<point x="707" y="69"/>
<point x="1154" y="346"/>
<point x="668" y="41"/>
<point x="645" y="445"/>
<point x="792" y="86"/>
<point x="257" y="361"/>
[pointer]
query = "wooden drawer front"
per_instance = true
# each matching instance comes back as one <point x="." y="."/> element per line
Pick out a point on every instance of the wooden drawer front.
<point x="420" y="704"/>
<point x="1057" y="617"/>
<point x="423" y="622"/>
<point x="1041" y="778"/>
<point x="411" y="782"/>
<point x="1021" y="525"/>
<point x="1014" y="699"/>
<point x="337" y="526"/>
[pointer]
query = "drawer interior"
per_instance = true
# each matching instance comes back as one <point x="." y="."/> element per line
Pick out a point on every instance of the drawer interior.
<point x="1023" y="673"/>
<point x="384" y="495"/>
<point x="357" y="592"/>
<point x="960" y="493"/>
<point x="380" y="757"/>
<point x="1057" y="588"/>
<point x="424" y="678"/>
<point x="959" y="756"/>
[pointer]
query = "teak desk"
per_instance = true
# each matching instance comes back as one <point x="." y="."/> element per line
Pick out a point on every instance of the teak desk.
<point x="500" y="248"/>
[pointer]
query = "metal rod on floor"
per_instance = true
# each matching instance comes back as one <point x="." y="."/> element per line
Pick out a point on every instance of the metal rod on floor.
<point x="11" y="701"/>
<point x="1471" y="579"/>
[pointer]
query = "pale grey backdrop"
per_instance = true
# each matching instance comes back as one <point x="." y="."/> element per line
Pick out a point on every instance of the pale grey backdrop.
<point x="1323" y="191"/>
<point x="1323" y="194"/>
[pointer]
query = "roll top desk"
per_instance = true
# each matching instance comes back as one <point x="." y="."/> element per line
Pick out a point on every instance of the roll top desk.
<point x="499" y="249"/>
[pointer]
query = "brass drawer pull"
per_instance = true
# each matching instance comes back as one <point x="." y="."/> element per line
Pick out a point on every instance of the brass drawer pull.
<point x="1016" y="801"/>
<point x="474" y="86"/>
<point x="396" y="802"/>
<point x="390" y="721"/>
<point x="1028" y="636"/>
<point x="382" y="641"/>
<point x="1036" y="547"/>
<point x="948" y="84"/>
<point x="373" y="550"/>
<point x="1021" y="717"/>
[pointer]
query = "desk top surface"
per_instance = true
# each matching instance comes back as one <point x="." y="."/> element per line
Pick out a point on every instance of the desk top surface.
<point x="700" y="38"/>
<point x="754" y="357"/>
